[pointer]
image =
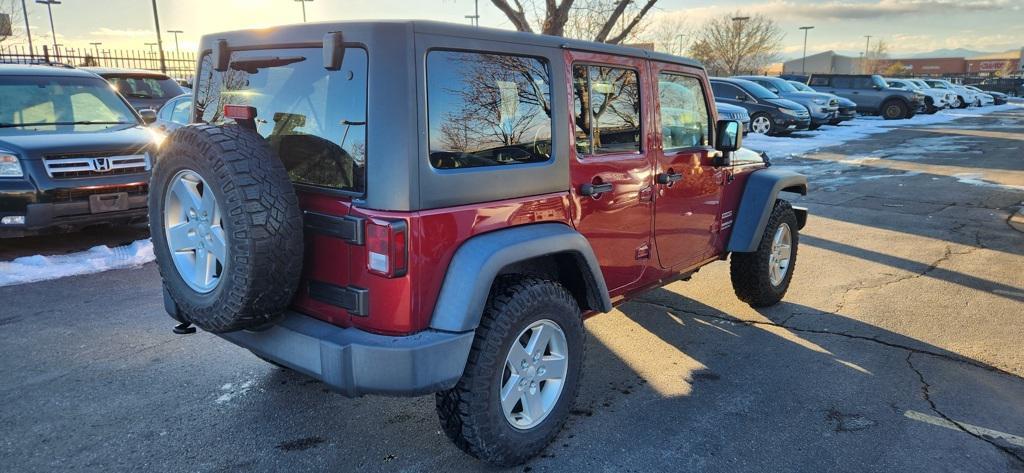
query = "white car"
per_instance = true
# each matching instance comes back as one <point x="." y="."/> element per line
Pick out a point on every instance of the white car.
<point x="965" y="97"/>
<point x="935" y="99"/>
<point x="986" y="99"/>
<point x="950" y="96"/>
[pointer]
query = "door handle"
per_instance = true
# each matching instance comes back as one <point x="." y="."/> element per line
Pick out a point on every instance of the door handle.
<point x="591" y="190"/>
<point x="668" y="178"/>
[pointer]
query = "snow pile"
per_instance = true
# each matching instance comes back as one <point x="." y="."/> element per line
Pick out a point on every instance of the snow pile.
<point x="781" y="147"/>
<point x="97" y="259"/>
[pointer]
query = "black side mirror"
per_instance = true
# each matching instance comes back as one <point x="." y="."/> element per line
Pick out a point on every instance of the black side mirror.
<point x="729" y="134"/>
<point x="148" y="115"/>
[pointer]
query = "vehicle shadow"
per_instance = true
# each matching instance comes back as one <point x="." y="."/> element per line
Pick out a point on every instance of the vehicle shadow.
<point x="672" y="384"/>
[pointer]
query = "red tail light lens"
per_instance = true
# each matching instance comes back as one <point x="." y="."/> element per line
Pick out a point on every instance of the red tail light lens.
<point x="239" y="112"/>
<point x="387" y="248"/>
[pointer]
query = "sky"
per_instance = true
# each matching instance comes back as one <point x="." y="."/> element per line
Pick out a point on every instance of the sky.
<point x="908" y="26"/>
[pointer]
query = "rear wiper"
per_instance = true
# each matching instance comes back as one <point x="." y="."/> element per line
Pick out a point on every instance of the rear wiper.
<point x="253" y="65"/>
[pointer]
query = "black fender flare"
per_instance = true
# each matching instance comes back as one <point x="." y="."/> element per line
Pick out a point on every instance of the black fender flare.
<point x="759" y="195"/>
<point x="479" y="260"/>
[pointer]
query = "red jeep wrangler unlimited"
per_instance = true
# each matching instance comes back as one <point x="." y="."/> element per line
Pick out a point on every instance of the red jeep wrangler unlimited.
<point x="413" y="207"/>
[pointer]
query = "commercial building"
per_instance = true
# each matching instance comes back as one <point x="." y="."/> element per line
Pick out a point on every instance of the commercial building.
<point x="980" y="66"/>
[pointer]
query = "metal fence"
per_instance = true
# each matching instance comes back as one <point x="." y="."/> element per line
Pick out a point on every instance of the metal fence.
<point x="179" y="65"/>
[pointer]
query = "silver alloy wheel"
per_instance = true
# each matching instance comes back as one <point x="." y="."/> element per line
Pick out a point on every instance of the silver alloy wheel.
<point x="782" y="253"/>
<point x="534" y="374"/>
<point x="193" y="226"/>
<point x="761" y="125"/>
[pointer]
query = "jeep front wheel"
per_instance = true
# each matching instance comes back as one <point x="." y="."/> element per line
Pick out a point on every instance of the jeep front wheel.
<point x="761" y="278"/>
<point x="522" y="375"/>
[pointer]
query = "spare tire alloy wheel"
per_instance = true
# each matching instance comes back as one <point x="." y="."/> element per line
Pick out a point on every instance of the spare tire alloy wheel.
<point x="535" y="369"/>
<point x="761" y="124"/>
<point x="194" y="228"/>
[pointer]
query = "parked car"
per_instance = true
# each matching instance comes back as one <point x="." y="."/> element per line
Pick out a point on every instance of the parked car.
<point x="1013" y="87"/>
<point x="951" y="98"/>
<point x="964" y="97"/>
<point x="402" y="258"/>
<point x="934" y="99"/>
<point x="847" y="107"/>
<point x="73" y="153"/>
<point x="176" y="113"/>
<point x="769" y="113"/>
<point x="871" y="93"/>
<point x="732" y="112"/>
<point x="824" y="108"/>
<point x="143" y="89"/>
<point x="998" y="98"/>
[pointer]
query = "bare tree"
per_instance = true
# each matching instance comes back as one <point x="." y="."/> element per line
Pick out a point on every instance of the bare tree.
<point x="12" y="8"/>
<point x="875" y="61"/>
<point x="605" y="21"/>
<point x="736" y="43"/>
<point x="669" y="34"/>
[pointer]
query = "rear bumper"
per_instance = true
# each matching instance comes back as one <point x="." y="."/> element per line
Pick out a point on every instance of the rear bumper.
<point x="355" y="362"/>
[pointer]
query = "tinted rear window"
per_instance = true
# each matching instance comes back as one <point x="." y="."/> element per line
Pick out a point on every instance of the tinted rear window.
<point x="312" y="118"/>
<point x="144" y="87"/>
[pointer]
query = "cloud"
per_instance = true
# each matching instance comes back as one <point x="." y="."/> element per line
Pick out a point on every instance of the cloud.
<point x="126" y="33"/>
<point x="850" y="10"/>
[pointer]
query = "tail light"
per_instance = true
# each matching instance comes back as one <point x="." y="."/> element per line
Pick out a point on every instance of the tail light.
<point x="387" y="248"/>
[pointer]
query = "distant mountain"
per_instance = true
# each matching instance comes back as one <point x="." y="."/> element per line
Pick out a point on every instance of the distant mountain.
<point x="958" y="52"/>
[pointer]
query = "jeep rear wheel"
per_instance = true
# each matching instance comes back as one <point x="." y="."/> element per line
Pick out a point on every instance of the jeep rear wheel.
<point x="894" y="110"/>
<point x="761" y="278"/>
<point x="522" y="375"/>
<point x="226" y="227"/>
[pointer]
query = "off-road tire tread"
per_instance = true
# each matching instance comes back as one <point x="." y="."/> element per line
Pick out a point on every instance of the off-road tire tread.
<point x="261" y="212"/>
<point x="749" y="271"/>
<point x="464" y="410"/>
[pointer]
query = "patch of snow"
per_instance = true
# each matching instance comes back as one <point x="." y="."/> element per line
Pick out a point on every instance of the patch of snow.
<point x="94" y="260"/>
<point x="977" y="179"/>
<point x="783" y="147"/>
<point x="233" y="393"/>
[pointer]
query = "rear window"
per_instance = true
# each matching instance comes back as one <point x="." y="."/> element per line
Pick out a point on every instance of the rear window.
<point x="145" y="87"/>
<point x="819" y="81"/>
<point x="312" y="118"/>
<point x="487" y="109"/>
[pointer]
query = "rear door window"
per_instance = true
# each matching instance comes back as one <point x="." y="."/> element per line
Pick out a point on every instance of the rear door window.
<point x="487" y="109"/>
<point x="842" y="82"/>
<point x="607" y="110"/>
<point x="312" y="118"/>
<point x="862" y="83"/>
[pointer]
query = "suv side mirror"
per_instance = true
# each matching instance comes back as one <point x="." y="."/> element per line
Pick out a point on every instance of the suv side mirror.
<point x="741" y="98"/>
<point x="730" y="138"/>
<point x="148" y="115"/>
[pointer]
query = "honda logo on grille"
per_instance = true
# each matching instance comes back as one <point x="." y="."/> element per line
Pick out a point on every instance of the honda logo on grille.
<point x="101" y="164"/>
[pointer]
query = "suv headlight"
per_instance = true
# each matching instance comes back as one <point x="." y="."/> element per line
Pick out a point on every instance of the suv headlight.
<point x="9" y="165"/>
<point x="820" y="101"/>
<point x="789" y="111"/>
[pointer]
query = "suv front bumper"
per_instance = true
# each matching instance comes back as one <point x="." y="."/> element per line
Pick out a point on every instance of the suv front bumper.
<point x="355" y="362"/>
<point x="21" y="198"/>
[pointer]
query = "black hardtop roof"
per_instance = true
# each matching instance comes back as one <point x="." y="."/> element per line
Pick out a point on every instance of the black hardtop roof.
<point x="42" y="70"/>
<point x="313" y="32"/>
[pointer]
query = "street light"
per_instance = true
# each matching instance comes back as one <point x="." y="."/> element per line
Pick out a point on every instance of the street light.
<point x="96" y="46"/>
<point x="28" y="31"/>
<point x="474" y="19"/>
<point x="803" y="63"/>
<point x="159" y="39"/>
<point x="49" y="8"/>
<point x="303" y="2"/>
<point x="867" y="56"/>
<point x="679" y="37"/>
<point x="175" y="33"/>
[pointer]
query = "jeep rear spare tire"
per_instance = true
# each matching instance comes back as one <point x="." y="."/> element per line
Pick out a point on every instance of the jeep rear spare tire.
<point x="226" y="227"/>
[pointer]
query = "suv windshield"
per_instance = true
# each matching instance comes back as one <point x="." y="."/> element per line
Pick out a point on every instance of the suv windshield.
<point x="61" y="104"/>
<point x="312" y="118"/>
<point x="783" y="85"/>
<point x="755" y="89"/>
<point x="144" y="87"/>
<point x="879" y="81"/>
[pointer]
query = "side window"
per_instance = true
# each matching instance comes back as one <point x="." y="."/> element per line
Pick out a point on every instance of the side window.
<point x="607" y="110"/>
<point x="487" y="109"/>
<point x="842" y="82"/>
<point x="819" y="81"/>
<point x="896" y="85"/>
<point x="862" y="83"/>
<point x="180" y="113"/>
<point x="684" y="113"/>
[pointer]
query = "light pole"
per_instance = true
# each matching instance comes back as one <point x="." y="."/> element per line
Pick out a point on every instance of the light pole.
<point x="49" y="8"/>
<point x="159" y="39"/>
<point x="867" y="55"/>
<point x="28" y="31"/>
<point x="679" y="38"/>
<point x="474" y="19"/>
<point x="96" y="46"/>
<point x="303" y="2"/>
<point x="803" y="63"/>
<point x="175" y="33"/>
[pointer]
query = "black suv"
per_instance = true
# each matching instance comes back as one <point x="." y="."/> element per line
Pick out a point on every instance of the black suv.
<point x="769" y="113"/>
<point x="1005" y="85"/>
<point x="871" y="94"/>
<point x="72" y="152"/>
<point x="142" y="89"/>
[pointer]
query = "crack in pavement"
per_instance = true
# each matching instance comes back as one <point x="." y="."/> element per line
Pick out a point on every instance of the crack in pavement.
<point x="926" y="393"/>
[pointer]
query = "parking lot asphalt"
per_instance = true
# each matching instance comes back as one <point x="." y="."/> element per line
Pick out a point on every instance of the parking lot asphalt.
<point x="898" y="348"/>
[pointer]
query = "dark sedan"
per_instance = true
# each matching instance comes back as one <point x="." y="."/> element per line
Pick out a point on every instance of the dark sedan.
<point x="769" y="113"/>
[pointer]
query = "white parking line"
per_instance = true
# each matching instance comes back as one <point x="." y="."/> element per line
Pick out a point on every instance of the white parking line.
<point x="922" y="417"/>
